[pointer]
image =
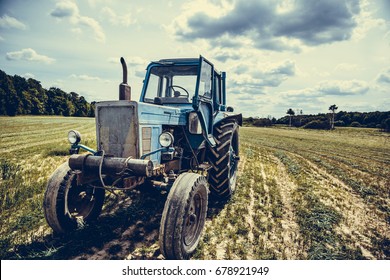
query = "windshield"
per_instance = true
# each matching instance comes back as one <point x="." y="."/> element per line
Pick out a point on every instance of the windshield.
<point x="171" y="84"/>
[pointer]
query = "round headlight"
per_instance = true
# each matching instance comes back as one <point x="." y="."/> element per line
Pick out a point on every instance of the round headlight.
<point x="165" y="139"/>
<point x="74" y="137"/>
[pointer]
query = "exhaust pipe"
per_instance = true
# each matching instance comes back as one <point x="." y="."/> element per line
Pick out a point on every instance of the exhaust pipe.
<point x="111" y="165"/>
<point x="124" y="88"/>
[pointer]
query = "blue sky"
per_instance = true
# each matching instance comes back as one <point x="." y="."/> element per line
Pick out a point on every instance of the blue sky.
<point x="299" y="54"/>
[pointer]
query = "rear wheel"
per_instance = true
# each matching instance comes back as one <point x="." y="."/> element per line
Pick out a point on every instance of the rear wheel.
<point x="68" y="205"/>
<point x="224" y="158"/>
<point x="184" y="216"/>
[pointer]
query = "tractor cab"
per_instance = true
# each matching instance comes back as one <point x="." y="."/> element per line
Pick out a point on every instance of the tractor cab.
<point x="187" y="83"/>
<point x="170" y="82"/>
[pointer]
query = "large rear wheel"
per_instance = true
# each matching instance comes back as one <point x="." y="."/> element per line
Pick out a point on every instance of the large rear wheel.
<point x="224" y="158"/>
<point x="68" y="205"/>
<point x="184" y="216"/>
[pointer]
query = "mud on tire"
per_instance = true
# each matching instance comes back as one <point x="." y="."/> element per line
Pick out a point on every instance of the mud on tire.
<point x="68" y="205"/>
<point x="224" y="159"/>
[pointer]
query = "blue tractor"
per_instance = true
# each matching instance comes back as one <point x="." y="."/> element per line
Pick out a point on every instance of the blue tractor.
<point x="180" y="137"/>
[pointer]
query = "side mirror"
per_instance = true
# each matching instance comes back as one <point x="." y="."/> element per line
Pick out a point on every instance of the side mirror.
<point x="194" y="126"/>
<point x="229" y="109"/>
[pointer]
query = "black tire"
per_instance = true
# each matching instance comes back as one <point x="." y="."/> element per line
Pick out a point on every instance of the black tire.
<point x="67" y="205"/>
<point x="184" y="216"/>
<point x="224" y="159"/>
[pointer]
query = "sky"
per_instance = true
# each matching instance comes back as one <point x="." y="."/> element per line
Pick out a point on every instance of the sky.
<point x="278" y="54"/>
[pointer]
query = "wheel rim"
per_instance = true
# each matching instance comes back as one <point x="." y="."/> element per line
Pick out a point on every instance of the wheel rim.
<point x="192" y="221"/>
<point x="80" y="200"/>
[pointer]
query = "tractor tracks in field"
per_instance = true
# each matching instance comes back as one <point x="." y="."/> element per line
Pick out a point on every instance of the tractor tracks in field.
<point x="360" y="222"/>
<point x="361" y="226"/>
<point x="263" y="198"/>
<point x="291" y="236"/>
<point x="297" y="209"/>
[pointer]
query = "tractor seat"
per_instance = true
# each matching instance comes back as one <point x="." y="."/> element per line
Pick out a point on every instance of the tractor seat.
<point x="171" y="100"/>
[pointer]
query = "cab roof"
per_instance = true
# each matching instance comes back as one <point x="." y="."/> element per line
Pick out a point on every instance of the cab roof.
<point x="177" y="60"/>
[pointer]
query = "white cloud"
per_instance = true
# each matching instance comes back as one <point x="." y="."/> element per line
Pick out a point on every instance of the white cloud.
<point x="29" y="55"/>
<point x="70" y="11"/>
<point x="252" y="77"/>
<point x="225" y="54"/>
<point x="123" y="20"/>
<point x="84" y="77"/>
<point x="130" y="61"/>
<point x="28" y="75"/>
<point x="137" y="61"/>
<point x="88" y="78"/>
<point x="95" y="26"/>
<point x="94" y="3"/>
<point x="314" y="99"/>
<point x="77" y="30"/>
<point x="65" y="9"/>
<point x="352" y="87"/>
<point x="384" y="78"/>
<point x="345" y="67"/>
<point x="366" y="20"/>
<point x="113" y="60"/>
<point x="8" y="22"/>
<point x="331" y="87"/>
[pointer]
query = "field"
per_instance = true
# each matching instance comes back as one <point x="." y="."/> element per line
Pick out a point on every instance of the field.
<point x="300" y="195"/>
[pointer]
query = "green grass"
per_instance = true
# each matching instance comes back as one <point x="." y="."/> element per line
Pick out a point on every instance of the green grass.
<point x="31" y="149"/>
<point x="301" y="194"/>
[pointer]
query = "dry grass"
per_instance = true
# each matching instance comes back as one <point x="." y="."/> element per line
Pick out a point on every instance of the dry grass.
<point x="300" y="195"/>
<point x="308" y="195"/>
<point x="31" y="149"/>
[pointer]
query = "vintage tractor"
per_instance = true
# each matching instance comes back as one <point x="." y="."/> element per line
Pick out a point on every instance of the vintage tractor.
<point x="180" y="137"/>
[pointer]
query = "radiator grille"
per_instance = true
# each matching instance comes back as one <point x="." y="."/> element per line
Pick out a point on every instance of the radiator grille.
<point x="117" y="128"/>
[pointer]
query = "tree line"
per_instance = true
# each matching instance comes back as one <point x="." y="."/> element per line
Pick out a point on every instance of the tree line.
<point x="380" y="120"/>
<point x="21" y="96"/>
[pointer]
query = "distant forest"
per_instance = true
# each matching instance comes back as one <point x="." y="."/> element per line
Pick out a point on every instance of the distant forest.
<point x="20" y="96"/>
<point x="376" y="119"/>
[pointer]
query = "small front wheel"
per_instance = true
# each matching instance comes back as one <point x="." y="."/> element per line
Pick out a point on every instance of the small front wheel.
<point x="68" y="205"/>
<point x="184" y="216"/>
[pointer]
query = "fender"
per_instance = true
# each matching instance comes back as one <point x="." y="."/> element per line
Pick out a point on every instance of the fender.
<point x="223" y="116"/>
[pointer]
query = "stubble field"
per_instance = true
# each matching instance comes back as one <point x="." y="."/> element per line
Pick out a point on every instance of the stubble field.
<point x="300" y="195"/>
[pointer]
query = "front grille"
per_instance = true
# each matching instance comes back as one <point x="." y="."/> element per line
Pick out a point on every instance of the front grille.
<point x="117" y="128"/>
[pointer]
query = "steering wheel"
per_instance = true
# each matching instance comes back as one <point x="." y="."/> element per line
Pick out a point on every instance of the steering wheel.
<point x="175" y="86"/>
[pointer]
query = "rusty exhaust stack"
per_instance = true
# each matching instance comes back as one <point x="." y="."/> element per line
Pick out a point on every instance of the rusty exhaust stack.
<point x="124" y="88"/>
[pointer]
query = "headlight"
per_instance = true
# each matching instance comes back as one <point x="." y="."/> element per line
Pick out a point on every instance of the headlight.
<point x="165" y="139"/>
<point x="74" y="137"/>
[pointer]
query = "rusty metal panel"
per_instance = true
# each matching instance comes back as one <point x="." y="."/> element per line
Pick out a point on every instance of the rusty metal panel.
<point x="117" y="128"/>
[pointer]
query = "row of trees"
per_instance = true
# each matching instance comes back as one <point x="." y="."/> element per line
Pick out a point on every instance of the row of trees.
<point x="20" y="96"/>
<point x="376" y="119"/>
<point x="329" y="121"/>
<point x="316" y="123"/>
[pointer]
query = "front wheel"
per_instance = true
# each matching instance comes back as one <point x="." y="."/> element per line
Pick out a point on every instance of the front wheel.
<point x="184" y="216"/>
<point x="68" y="205"/>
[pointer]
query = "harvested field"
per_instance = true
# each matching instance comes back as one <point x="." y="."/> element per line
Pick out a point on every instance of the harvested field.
<point x="300" y="195"/>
